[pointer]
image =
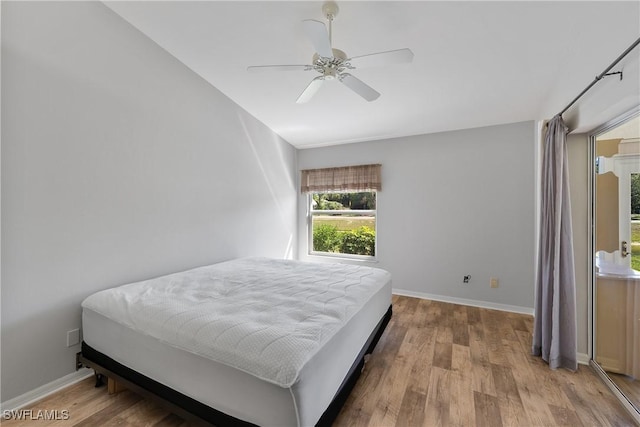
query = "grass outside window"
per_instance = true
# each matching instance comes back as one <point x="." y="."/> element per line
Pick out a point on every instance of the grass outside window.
<point x="635" y="246"/>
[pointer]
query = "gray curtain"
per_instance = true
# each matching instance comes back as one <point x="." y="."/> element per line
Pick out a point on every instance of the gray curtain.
<point x="554" y="330"/>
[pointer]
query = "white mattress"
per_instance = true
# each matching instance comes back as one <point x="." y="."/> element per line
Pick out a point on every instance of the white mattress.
<point x="266" y="341"/>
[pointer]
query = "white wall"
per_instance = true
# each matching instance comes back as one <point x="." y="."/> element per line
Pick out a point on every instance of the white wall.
<point x="451" y="204"/>
<point x="118" y="164"/>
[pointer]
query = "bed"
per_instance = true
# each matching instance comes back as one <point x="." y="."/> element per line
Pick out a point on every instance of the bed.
<point x="252" y="341"/>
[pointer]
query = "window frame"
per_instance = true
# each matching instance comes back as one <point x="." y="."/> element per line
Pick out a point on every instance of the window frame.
<point x="352" y="212"/>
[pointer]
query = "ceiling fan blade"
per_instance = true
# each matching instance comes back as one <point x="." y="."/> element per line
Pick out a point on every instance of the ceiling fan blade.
<point x="317" y="33"/>
<point x="382" y="58"/>
<point x="359" y="87"/>
<point x="310" y="90"/>
<point x="261" y="68"/>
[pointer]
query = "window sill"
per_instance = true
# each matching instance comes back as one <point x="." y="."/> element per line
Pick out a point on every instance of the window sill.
<point x="344" y="257"/>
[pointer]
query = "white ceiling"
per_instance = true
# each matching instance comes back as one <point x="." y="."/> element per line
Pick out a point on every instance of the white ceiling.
<point x="476" y="63"/>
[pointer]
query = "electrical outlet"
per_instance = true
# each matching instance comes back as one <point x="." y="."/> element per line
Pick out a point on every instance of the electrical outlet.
<point x="466" y="278"/>
<point x="73" y="337"/>
<point x="494" y="282"/>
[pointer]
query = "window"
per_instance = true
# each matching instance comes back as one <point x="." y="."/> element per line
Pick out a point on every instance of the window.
<point x="342" y="209"/>
<point x="343" y="223"/>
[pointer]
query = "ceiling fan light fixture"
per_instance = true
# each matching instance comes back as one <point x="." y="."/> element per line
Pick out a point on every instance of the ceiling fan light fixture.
<point x="330" y="74"/>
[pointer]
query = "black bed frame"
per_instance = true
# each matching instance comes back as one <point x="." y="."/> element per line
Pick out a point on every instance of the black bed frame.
<point x="193" y="410"/>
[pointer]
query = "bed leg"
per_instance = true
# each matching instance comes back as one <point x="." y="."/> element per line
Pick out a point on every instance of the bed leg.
<point x="99" y="380"/>
<point x="114" y="386"/>
<point x="365" y="359"/>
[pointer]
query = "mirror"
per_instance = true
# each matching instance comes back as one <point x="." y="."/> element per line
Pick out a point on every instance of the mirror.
<point x="616" y="293"/>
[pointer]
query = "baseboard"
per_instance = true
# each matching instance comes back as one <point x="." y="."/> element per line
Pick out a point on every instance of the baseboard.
<point x="583" y="358"/>
<point x="44" y="390"/>
<point x="464" y="301"/>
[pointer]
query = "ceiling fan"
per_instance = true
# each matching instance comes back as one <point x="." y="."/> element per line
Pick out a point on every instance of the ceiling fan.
<point x="334" y="64"/>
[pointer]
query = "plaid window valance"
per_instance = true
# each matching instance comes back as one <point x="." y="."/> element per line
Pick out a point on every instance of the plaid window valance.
<point x="348" y="178"/>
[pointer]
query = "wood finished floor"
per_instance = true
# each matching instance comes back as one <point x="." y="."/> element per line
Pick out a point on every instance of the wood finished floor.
<point x="437" y="364"/>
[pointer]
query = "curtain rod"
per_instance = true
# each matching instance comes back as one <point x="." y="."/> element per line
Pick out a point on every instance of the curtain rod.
<point x="603" y="74"/>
